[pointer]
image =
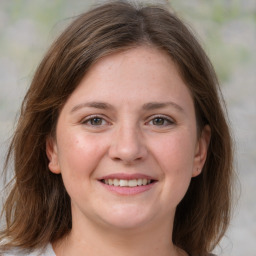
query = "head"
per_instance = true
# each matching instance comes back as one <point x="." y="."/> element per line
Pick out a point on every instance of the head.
<point x="203" y="214"/>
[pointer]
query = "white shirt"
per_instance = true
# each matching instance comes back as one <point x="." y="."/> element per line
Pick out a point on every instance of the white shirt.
<point x="47" y="251"/>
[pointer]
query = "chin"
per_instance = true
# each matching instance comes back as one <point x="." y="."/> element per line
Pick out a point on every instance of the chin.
<point x="127" y="217"/>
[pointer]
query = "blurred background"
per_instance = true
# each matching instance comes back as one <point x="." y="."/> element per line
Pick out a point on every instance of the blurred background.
<point x="225" y="28"/>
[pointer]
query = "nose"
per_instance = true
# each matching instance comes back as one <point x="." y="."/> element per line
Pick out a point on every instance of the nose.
<point x="127" y="145"/>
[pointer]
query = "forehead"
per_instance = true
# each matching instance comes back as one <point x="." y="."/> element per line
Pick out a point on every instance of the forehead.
<point x="149" y="56"/>
<point x="141" y="74"/>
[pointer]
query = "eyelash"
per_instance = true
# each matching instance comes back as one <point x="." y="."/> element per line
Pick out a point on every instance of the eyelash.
<point x="91" y="118"/>
<point x="167" y="121"/>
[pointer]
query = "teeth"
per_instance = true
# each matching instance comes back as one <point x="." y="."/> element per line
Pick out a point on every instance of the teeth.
<point x="127" y="183"/>
<point x="124" y="183"/>
<point x="140" y="182"/>
<point x="116" y="182"/>
<point x="132" y="183"/>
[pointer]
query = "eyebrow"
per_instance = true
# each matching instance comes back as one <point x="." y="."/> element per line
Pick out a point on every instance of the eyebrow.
<point x="93" y="104"/>
<point x="147" y="106"/>
<point x="158" y="105"/>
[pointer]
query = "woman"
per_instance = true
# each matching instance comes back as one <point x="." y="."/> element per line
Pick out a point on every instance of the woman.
<point x="122" y="147"/>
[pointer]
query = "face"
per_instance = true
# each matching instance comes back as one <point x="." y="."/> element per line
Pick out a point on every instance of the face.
<point x="126" y="141"/>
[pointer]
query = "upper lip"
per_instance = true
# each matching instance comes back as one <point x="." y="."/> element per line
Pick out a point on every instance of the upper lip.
<point x="126" y="176"/>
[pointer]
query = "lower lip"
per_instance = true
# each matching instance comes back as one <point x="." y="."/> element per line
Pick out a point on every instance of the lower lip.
<point x="128" y="190"/>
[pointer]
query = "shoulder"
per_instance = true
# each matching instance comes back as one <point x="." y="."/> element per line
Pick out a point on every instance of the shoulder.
<point x="47" y="251"/>
<point x="209" y="254"/>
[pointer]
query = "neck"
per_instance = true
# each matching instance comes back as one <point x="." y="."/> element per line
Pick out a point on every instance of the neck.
<point x="89" y="239"/>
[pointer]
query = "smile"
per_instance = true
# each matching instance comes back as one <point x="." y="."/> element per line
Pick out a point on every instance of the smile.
<point x="127" y="183"/>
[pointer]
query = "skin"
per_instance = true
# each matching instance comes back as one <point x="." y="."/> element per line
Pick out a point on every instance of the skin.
<point x="129" y="135"/>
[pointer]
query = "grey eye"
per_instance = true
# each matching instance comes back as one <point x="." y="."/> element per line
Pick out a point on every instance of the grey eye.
<point x="161" y="121"/>
<point x="95" y="121"/>
<point x="158" y="121"/>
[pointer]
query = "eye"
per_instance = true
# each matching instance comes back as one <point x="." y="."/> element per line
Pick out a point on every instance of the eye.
<point x="94" y="121"/>
<point x="161" y="121"/>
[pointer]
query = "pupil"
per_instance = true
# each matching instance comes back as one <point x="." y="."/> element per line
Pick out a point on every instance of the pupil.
<point x="158" y="121"/>
<point x="96" y="121"/>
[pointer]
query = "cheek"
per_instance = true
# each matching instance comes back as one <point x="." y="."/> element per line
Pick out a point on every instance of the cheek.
<point x="175" y="156"/>
<point x="176" y="152"/>
<point x="79" y="153"/>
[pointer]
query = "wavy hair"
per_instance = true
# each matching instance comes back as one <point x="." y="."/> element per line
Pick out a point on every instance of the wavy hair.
<point x="37" y="209"/>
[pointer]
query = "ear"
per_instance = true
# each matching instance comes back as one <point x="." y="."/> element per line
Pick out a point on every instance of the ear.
<point x="52" y="154"/>
<point x="201" y="150"/>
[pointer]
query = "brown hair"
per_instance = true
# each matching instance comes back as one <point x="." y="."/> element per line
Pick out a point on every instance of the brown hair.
<point x="37" y="209"/>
